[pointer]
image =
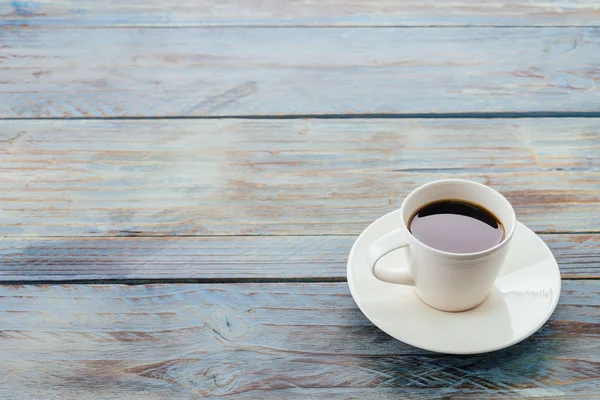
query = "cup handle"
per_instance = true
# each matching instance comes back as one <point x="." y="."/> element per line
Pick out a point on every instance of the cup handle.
<point x="384" y="245"/>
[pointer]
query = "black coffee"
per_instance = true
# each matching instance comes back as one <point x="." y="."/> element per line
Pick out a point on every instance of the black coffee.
<point x="456" y="226"/>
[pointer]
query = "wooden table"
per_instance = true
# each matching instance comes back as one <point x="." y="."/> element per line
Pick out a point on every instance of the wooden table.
<point x="181" y="183"/>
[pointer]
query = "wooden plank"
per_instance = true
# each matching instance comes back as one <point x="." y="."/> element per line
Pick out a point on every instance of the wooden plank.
<point x="296" y="71"/>
<point x="186" y="341"/>
<point x="89" y="13"/>
<point x="230" y="177"/>
<point x="251" y="257"/>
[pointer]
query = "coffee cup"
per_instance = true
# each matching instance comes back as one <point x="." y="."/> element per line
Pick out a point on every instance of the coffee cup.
<point x="443" y="279"/>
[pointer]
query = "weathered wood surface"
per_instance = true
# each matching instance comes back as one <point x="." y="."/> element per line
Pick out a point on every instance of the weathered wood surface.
<point x="209" y="258"/>
<point x="296" y="71"/>
<point x="311" y="184"/>
<point x="227" y="177"/>
<point x="156" y="341"/>
<point x="90" y="13"/>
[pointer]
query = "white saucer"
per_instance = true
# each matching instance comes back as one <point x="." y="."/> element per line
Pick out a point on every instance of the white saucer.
<point x="524" y="297"/>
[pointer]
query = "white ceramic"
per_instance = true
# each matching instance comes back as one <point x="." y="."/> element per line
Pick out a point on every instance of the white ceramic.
<point x="521" y="301"/>
<point x="446" y="281"/>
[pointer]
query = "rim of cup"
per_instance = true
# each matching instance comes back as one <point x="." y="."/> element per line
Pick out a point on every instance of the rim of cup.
<point x="507" y="235"/>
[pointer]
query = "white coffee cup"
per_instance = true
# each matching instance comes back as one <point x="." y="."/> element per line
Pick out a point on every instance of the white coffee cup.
<point x="443" y="280"/>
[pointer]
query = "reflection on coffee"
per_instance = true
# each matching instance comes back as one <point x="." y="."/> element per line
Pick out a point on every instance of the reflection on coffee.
<point x="456" y="226"/>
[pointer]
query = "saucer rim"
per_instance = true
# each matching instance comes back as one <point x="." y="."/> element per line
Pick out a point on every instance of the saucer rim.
<point x="542" y="321"/>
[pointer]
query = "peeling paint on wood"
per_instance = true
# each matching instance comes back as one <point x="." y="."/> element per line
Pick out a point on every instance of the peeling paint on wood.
<point x="296" y="71"/>
<point x="231" y="177"/>
<point x="254" y="257"/>
<point x="89" y="13"/>
<point x="111" y="341"/>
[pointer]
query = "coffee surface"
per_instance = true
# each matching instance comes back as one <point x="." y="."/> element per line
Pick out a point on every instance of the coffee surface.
<point x="456" y="226"/>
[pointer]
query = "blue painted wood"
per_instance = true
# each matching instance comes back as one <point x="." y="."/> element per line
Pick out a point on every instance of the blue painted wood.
<point x="208" y="178"/>
<point x="136" y="72"/>
<point x="234" y="257"/>
<point x="89" y="13"/>
<point x="231" y="177"/>
<point x="267" y="340"/>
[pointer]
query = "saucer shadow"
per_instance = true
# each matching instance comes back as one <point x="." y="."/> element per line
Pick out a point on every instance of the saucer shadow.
<point x="484" y="328"/>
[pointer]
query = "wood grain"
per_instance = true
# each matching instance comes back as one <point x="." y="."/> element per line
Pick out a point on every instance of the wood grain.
<point x="267" y="341"/>
<point x="230" y="177"/>
<point x="296" y="71"/>
<point x="89" y="13"/>
<point x="209" y="258"/>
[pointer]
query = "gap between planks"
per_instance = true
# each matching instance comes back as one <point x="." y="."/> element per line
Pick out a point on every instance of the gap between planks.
<point x="22" y="25"/>
<point x="135" y="234"/>
<point x="470" y="115"/>
<point x="212" y="281"/>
